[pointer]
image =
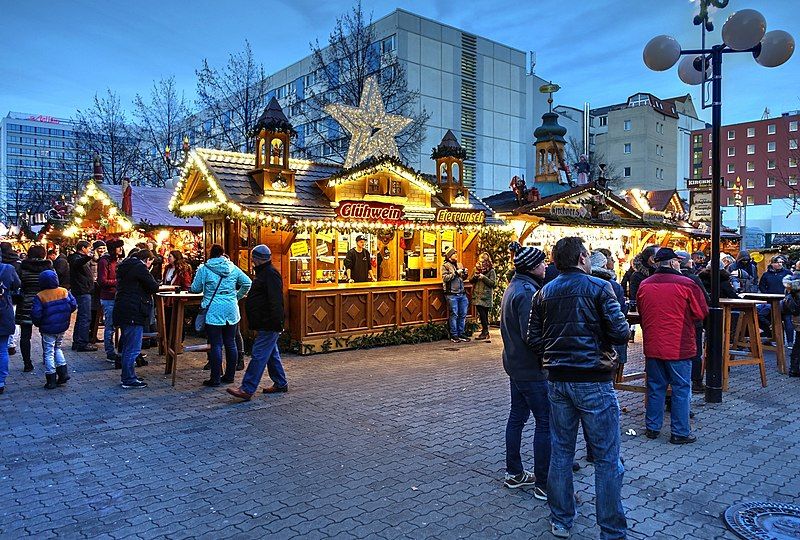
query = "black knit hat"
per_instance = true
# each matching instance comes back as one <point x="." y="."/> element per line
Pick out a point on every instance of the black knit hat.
<point x="528" y="258"/>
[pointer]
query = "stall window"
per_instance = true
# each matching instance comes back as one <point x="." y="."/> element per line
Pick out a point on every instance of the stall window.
<point x="300" y="259"/>
<point x="374" y="186"/>
<point x="326" y="257"/>
<point x="420" y="255"/>
<point x="396" y="188"/>
<point x="249" y="237"/>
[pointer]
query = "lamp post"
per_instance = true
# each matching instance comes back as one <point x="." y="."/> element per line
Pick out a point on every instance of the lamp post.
<point x="744" y="31"/>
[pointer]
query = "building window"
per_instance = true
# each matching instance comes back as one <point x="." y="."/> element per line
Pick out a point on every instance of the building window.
<point x="603" y="121"/>
<point x="770" y="181"/>
<point x="751" y="149"/>
<point x="710" y="137"/>
<point x="731" y="151"/>
<point x="626" y="125"/>
<point x="730" y="201"/>
<point x="627" y="172"/>
<point x="751" y="132"/>
<point x="731" y="168"/>
<point x="751" y="166"/>
<point x="770" y="164"/>
<point x="710" y="155"/>
<point x="731" y="183"/>
<point x="792" y="144"/>
<point x="751" y="184"/>
<point x="792" y="180"/>
<point x="771" y="129"/>
<point x="697" y="140"/>
<point x="771" y="146"/>
<point x="750" y="200"/>
<point x="627" y="148"/>
<point x="792" y="162"/>
<point x="731" y="134"/>
<point x="769" y="199"/>
<point x="793" y="125"/>
<point x="709" y="170"/>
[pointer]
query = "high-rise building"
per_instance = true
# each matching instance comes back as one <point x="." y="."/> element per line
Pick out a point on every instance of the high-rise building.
<point x="646" y="140"/>
<point x="480" y="89"/>
<point x="40" y="159"/>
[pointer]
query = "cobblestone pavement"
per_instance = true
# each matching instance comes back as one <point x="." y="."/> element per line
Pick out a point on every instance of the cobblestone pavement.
<point x="396" y="442"/>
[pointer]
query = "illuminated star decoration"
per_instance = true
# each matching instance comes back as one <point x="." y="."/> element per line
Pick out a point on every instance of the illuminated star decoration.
<point x="372" y="130"/>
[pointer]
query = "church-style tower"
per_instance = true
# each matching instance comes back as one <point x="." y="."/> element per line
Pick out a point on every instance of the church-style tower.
<point x="273" y="137"/>
<point x="549" y="148"/>
<point x="449" y="156"/>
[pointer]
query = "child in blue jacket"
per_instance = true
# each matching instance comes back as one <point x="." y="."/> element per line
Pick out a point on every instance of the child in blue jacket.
<point x="51" y="312"/>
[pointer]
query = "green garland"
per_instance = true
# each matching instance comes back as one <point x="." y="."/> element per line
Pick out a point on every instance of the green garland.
<point x="367" y="166"/>
<point x="448" y="151"/>
<point x="495" y="243"/>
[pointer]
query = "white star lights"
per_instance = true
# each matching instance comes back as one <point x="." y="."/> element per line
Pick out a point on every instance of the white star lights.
<point x="372" y="130"/>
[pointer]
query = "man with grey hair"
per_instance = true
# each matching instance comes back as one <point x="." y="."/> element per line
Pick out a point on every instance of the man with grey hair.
<point x="264" y="308"/>
<point x="670" y="305"/>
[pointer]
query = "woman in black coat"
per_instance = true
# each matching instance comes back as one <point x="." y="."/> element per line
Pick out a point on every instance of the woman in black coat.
<point x="29" y="269"/>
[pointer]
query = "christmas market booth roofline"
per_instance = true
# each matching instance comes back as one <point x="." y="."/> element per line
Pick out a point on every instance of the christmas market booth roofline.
<point x="311" y="214"/>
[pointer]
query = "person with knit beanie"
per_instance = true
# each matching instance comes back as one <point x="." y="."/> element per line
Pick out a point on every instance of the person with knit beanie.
<point x="453" y="276"/>
<point x="528" y="381"/>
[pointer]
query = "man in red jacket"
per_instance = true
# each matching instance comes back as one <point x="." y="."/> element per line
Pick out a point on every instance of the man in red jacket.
<point x="670" y="304"/>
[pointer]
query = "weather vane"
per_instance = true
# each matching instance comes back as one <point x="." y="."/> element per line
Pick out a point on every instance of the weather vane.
<point x="549" y="89"/>
<point x="702" y="17"/>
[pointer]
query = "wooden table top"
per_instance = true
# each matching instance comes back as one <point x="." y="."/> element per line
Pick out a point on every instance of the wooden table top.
<point x="741" y="302"/>
<point x="178" y="295"/>
<point x="764" y="296"/>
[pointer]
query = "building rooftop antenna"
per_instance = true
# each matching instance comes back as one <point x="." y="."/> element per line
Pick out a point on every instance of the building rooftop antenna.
<point x="766" y="114"/>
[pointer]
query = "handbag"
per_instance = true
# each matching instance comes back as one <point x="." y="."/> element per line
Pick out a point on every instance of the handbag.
<point x="200" y="321"/>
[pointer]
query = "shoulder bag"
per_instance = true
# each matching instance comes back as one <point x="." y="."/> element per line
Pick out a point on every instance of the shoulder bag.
<point x="200" y="321"/>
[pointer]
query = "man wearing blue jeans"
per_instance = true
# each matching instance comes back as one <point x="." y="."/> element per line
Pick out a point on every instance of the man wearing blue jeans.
<point x="264" y="308"/>
<point x="670" y="305"/>
<point x="528" y="381"/>
<point x="575" y="323"/>
<point x="82" y="288"/>
<point x="453" y="276"/>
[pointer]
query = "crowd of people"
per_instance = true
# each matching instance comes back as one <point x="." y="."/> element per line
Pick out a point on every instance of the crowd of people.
<point x="99" y="281"/>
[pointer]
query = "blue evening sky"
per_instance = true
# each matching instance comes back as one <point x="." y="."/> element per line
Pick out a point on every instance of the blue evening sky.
<point x="55" y="55"/>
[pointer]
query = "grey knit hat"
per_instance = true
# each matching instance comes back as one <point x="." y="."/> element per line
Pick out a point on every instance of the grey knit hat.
<point x="598" y="260"/>
<point x="528" y="258"/>
<point x="262" y="253"/>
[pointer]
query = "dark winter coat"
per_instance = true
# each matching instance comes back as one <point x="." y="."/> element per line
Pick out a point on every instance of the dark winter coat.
<point x="483" y="288"/>
<point x="608" y="275"/>
<point x="80" y="274"/>
<point x="726" y="289"/>
<point x="575" y="322"/>
<point x="9" y="282"/>
<point x="61" y="266"/>
<point x="519" y="359"/>
<point x="264" y="302"/>
<point x="771" y="281"/>
<point x="135" y="290"/>
<point x="29" y="271"/>
<point x="107" y="276"/>
<point x="550" y="273"/>
<point x="53" y="305"/>
<point x="670" y="305"/>
<point x="11" y="257"/>
<point x="641" y="272"/>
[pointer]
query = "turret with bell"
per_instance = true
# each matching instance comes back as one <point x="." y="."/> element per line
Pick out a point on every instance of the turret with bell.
<point x="449" y="156"/>
<point x="273" y="136"/>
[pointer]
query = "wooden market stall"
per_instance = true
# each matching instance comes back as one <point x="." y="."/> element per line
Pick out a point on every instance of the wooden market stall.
<point x="311" y="214"/>
<point x="135" y="214"/>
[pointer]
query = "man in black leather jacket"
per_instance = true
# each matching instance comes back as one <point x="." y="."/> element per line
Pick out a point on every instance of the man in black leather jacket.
<point x="575" y="322"/>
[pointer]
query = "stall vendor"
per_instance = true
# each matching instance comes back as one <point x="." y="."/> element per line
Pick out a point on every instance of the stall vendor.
<point x="357" y="263"/>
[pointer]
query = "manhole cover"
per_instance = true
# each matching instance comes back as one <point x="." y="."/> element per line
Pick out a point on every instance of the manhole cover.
<point x="764" y="520"/>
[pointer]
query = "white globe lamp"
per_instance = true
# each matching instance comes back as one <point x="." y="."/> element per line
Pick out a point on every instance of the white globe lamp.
<point x="661" y="53"/>
<point x="744" y="29"/>
<point x="776" y="48"/>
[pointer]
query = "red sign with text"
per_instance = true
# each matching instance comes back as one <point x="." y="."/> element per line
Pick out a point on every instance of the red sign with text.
<point x="369" y="211"/>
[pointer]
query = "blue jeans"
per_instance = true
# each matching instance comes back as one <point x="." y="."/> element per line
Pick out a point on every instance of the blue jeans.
<point x="595" y="405"/>
<point x="131" y="347"/>
<point x="108" y="327"/>
<point x="83" y="320"/>
<point x="52" y="353"/>
<point x="3" y="360"/>
<point x="678" y="375"/>
<point x="265" y="354"/>
<point x="697" y="361"/>
<point x="458" y="304"/>
<point x="220" y="336"/>
<point x="529" y="397"/>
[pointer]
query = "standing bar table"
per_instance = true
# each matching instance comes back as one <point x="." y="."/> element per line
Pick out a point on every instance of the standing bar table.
<point x="174" y="343"/>
<point x="774" y="300"/>
<point x="746" y="334"/>
<point x="161" y="328"/>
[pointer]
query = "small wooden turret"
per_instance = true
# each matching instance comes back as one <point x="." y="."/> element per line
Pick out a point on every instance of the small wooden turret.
<point x="273" y="137"/>
<point x="449" y="156"/>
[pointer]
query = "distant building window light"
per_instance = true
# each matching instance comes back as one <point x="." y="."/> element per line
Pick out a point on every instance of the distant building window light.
<point x="770" y="181"/>
<point x="771" y="146"/>
<point x="751" y="166"/>
<point x="793" y="125"/>
<point x="770" y="164"/>
<point x="751" y="184"/>
<point x="751" y="132"/>
<point x="731" y="168"/>
<point x="769" y="199"/>
<point x="750" y="200"/>
<point x="731" y="134"/>
<point x="771" y="129"/>
<point x="731" y="151"/>
<point x="627" y="148"/>
<point x="792" y="144"/>
<point x="751" y="149"/>
<point x="626" y="125"/>
<point x="627" y="172"/>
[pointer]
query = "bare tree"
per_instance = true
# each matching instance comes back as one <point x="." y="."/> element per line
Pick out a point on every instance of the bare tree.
<point x="104" y="129"/>
<point x="161" y="122"/>
<point x="340" y="70"/>
<point x="232" y="98"/>
<point x="572" y="153"/>
<point x="786" y="175"/>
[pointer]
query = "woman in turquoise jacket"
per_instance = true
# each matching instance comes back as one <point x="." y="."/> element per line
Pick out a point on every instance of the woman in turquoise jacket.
<point x="223" y="284"/>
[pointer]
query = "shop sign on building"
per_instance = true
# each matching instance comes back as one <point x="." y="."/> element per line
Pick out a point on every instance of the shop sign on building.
<point x="569" y="210"/>
<point x="700" y="206"/>
<point x="698" y="184"/>
<point x="369" y="211"/>
<point x="654" y="216"/>
<point x="458" y="216"/>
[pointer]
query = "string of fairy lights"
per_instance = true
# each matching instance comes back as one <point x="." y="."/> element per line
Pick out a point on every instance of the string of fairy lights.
<point x="112" y="215"/>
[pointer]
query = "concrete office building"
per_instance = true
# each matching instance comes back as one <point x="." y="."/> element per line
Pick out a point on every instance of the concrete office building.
<point x="39" y="160"/>
<point x="646" y="139"/>
<point x="478" y="88"/>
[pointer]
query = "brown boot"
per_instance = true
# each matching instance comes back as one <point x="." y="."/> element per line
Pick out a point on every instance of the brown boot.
<point x="239" y="393"/>
<point x="276" y="389"/>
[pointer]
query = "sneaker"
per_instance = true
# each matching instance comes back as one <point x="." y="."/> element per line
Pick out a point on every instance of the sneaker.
<point x="522" y="479"/>
<point x="651" y="433"/>
<point x="136" y="384"/>
<point x="539" y="493"/>
<point x="678" y="439"/>
<point x="455" y="340"/>
<point x="463" y="338"/>
<point x="559" y="531"/>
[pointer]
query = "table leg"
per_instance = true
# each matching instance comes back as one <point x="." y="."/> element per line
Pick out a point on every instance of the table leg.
<point x="778" y="334"/>
<point x="758" y="348"/>
<point x="178" y="338"/>
<point x="161" y="325"/>
<point x="726" y="344"/>
<point x="171" y="351"/>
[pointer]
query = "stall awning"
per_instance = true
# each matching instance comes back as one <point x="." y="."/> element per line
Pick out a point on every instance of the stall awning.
<point x="150" y="206"/>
